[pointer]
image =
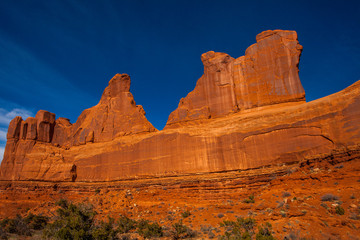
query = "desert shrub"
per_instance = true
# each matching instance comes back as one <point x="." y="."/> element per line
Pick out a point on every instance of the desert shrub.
<point x="185" y="214"/>
<point x="283" y="213"/>
<point x="170" y="217"/>
<point x="264" y="232"/>
<point x="36" y="222"/>
<point x="329" y="197"/>
<point x="18" y="226"/>
<point x="220" y="215"/>
<point x="4" y="222"/>
<point x="126" y="237"/>
<point x="180" y="231"/>
<point x="324" y="205"/>
<point x="242" y="228"/>
<point x="149" y="230"/>
<point x="125" y="224"/>
<point x="280" y="204"/>
<point x="251" y="199"/>
<point x="206" y="228"/>
<point x="339" y="210"/>
<point x="211" y="235"/>
<point x="3" y="234"/>
<point x="354" y="216"/>
<point x="73" y="222"/>
<point x="293" y="236"/>
<point x="286" y="194"/>
<point x="104" y="230"/>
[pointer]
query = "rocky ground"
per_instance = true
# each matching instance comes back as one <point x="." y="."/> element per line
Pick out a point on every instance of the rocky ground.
<point x="299" y="200"/>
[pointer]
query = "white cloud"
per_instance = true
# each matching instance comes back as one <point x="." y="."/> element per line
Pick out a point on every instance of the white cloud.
<point x="21" y="68"/>
<point x="2" y="150"/>
<point x="3" y="132"/>
<point x="6" y="116"/>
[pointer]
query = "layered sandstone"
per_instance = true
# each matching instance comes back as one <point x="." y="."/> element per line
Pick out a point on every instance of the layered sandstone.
<point x="243" y="113"/>
<point x="266" y="75"/>
<point x="35" y="146"/>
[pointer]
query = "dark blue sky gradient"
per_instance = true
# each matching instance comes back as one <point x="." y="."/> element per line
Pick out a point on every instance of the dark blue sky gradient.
<point x="60" y="55"/>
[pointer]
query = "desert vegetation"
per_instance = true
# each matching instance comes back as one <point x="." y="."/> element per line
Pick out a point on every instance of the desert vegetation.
<point x="78" y="221"/>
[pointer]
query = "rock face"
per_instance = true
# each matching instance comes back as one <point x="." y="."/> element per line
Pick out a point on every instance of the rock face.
<point x="116" y="115"/>
<point x="28" y="157"/>
<point x="243" y="113"/>
<point x="267" y="74"/>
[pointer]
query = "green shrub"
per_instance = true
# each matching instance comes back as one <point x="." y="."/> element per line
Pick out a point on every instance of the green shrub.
<point x="22" y="226"/>
<point x="18" y="226"/>
<point x="4" y="222"/>
<point x="73" y="222"/>
<point x="251" y="199"/>
<point x="242" y="228"/>
<point x="339" y="210"/>
<point x="185" y="214"/>
<point x="3" y="234"/>
<point x="286" y="194"/>
<point x="329" y="197"/>
<point x="180" y="231"/>
<point x="63" y="203"/>
<point x="125" y="224"/>
<point x="104" y="230"/>
<point x="324" y="205"/>
<point x="264" y="232"/>
<point x="36" y="222"/>
<point x="149" y="230"/>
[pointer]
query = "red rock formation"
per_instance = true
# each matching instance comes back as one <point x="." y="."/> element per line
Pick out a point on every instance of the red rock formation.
<point x="45" y="125"/>
<point x="270" y="124"/>
<point x="267" y="74"/>
<point x="116" y="115"/>
<point x="28" y="157"/>
<point x="14" y="128"/>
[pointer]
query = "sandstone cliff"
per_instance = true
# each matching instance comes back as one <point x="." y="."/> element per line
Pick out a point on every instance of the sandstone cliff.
<point x="267" y="74"/>
<point x="30" y="144"/>
<point x="243" y="113"/>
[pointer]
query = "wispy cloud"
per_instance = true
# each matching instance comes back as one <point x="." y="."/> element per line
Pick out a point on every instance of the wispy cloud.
<point x="3" y="132"/>
<point x="6" y="116"/>
<point x="2" y="150"/>
<point x="27" y="74"/>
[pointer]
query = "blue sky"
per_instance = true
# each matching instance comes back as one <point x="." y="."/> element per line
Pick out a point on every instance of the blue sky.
<point x="60" y="55"/>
